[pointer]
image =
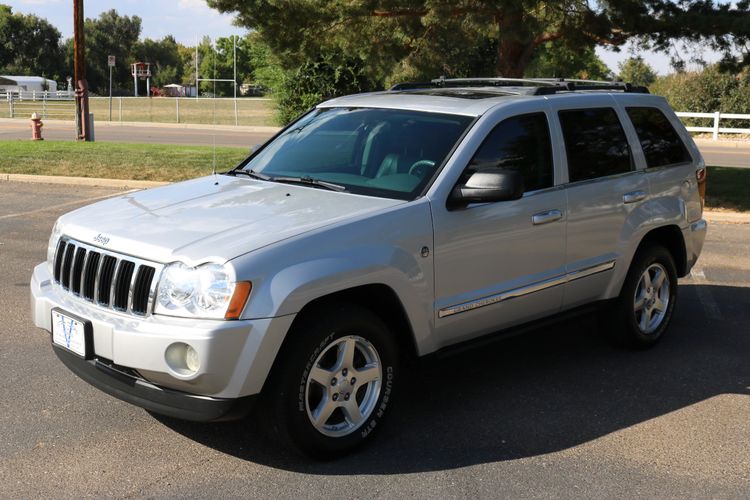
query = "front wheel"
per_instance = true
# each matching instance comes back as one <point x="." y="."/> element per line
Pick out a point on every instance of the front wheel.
<point x="644" y="307"/>
<point x="334" y="380"/>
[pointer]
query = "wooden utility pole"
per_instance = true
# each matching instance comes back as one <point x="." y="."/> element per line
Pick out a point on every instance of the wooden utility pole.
<point x="82" y="87"/>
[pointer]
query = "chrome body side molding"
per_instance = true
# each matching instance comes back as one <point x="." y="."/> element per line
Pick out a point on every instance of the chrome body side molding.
<point x="525" y="290"/>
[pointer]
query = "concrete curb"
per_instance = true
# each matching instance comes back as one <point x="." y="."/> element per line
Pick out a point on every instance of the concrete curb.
<point x="727" y="217"/>
<point x="200" y="126"/>
<point x="728" y="143"/>
<point x="81" y="181"/>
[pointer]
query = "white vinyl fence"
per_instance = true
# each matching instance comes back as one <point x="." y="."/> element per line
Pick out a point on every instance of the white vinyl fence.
<point x="58" y="105"/>
<point x="717" y="129"/>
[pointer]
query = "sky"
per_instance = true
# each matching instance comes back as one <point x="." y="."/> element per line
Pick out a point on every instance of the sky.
<point x="186" y="19"/>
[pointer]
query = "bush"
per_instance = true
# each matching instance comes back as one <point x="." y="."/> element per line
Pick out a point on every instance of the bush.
<point x="706" y="92"/>
<point x="316" y="81"/>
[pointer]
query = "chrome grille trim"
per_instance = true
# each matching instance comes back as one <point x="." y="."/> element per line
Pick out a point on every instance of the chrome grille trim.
<point x="69" y="248"/>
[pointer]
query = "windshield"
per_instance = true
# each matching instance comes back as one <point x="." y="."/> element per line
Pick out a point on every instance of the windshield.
<point x="379" y="152"/>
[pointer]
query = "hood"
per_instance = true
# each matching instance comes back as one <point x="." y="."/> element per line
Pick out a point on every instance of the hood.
<point x="213" y="218"/>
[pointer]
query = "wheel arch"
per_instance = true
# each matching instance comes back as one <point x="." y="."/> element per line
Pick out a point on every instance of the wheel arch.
<point x="671" y="238"/>
<point x="388" y="307"/>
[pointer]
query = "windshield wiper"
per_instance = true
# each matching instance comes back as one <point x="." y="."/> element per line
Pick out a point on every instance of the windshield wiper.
<point x="250" y="173"/>
<point x="309" y="181"/>
<point x="290" y="180"/>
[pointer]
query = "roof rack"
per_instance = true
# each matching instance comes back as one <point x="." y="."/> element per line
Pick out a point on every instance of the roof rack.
<point x="536" y="86"/>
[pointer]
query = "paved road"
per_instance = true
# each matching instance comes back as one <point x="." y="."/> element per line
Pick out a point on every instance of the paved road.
<point x="61" y="131"/>
<point x="722" y="153"/>
<point x="725" y="153"/>
<point x="557" y="413"/>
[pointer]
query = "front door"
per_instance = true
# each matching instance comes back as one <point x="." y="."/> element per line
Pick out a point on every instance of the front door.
<point x="500" y="264"/>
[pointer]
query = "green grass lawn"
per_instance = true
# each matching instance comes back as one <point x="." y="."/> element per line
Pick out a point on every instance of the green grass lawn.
<point x="110" y="160"/>
<point x="728" y="188"/>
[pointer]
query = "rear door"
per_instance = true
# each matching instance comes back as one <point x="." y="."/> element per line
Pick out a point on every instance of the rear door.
<point x="603" y="188"/>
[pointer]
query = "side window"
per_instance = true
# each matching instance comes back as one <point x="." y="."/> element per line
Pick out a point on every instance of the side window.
<point x="521" y="143"/>
<point x="660" y="142"/>
<point x="595" y="143"/>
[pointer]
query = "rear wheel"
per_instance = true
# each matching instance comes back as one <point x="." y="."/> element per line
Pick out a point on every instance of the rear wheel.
<point x="644" y="307"/>
<point x="334" y="381"/>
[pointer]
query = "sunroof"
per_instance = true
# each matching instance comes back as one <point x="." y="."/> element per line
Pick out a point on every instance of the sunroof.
<point x="463" y="93"/>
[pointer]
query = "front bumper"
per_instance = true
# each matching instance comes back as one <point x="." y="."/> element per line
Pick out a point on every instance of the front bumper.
<point x="235" y="356"/>
<point x="127" y="386"/>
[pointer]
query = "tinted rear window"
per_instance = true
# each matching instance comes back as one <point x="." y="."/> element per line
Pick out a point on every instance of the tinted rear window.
<point x="595" y="143"/>
<point x="660" y="141"/>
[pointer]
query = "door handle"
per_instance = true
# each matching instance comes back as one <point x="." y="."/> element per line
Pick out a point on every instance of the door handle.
<point x="545" y="217"/>
<point x="633" y="197"/>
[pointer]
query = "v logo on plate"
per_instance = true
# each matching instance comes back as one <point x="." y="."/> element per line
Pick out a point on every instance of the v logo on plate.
<point x="67" y="330"/>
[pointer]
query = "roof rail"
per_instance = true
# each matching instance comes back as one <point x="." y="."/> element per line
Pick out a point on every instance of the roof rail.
<point x="411" y="86"/>
<point x="490" y="82"/>
<point x="571" y="86"/>
<point x="536" y="86"/>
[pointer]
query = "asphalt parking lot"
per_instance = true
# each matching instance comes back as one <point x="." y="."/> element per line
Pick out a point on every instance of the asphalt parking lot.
<point x="555" y="413"/>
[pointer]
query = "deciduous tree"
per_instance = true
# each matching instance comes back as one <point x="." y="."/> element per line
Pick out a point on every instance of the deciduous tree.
<point x="416" y="36"/>
<point x="29" y="46"/>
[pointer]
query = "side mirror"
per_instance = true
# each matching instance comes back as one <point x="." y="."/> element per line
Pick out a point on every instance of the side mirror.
<point x="254" y="148"/>
<point x="487" y="185"/>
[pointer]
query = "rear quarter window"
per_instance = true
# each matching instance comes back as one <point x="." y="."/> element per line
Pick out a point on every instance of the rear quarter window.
<point x="659" y="140"/>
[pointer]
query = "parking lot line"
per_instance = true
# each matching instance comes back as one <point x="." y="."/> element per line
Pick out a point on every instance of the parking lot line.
<point x="704" y="293"/>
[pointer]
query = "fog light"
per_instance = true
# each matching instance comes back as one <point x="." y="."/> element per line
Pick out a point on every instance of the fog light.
<point x="182" y="359"/>
<point x="191" y="359"/>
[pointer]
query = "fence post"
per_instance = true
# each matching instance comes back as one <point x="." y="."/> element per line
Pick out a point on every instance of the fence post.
<point x="10" y="103"/>
<point x="177" y="107"/>
<point x="717" y="117"/>
<point x="44" y="106"/>
<point x="120" y="109"/>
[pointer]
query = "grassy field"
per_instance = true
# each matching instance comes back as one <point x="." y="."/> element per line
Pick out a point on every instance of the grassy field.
<point x="250" y="111"/>
<point x="153" y="162"/>
<point x="728" y="188"/>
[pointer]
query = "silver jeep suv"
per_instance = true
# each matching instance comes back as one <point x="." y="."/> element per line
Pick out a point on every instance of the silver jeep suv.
<point x="374" y="229"/>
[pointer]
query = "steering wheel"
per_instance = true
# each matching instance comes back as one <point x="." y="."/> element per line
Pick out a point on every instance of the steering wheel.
<point x="419" y="168"/>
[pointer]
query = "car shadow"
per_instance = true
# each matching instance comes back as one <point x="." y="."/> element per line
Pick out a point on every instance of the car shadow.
<point x="542" y="392"/>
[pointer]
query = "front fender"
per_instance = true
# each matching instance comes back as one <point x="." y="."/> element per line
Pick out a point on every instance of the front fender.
<point x="383" y="249"/>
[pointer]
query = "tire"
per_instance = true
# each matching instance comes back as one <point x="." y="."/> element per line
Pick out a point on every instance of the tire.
<point x="643" y="310"/>
<point x="314" y="406"/>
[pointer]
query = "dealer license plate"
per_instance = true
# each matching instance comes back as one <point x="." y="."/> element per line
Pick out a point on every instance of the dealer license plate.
<point x="71" y="333"/>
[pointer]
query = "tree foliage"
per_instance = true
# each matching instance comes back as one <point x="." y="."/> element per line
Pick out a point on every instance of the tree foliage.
<point x="109" y="34"/>
<point x="29" y="46"/>
<point x="706" y="91"/>
<point x="424" y="38"/>
<point x="636" y="71"/>
<point x="561" y="61"/>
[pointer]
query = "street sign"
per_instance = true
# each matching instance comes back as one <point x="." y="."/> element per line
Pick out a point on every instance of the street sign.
<point x="110" y="61"/>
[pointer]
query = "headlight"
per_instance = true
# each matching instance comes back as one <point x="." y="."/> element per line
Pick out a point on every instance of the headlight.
<point x="204" y="291"/>
<point x="52" y="245"/>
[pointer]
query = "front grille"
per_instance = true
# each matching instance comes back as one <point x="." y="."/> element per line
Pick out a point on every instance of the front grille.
<point x="110" y="280"/>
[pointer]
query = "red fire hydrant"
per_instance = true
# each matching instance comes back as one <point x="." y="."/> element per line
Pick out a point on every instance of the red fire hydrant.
<point x="36" y="128"/>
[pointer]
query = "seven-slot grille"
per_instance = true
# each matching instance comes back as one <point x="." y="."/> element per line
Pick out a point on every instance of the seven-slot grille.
<point x="118" y="282"/>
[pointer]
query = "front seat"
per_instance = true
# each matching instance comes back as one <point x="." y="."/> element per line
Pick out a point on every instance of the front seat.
<point x="388" y="166"/>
